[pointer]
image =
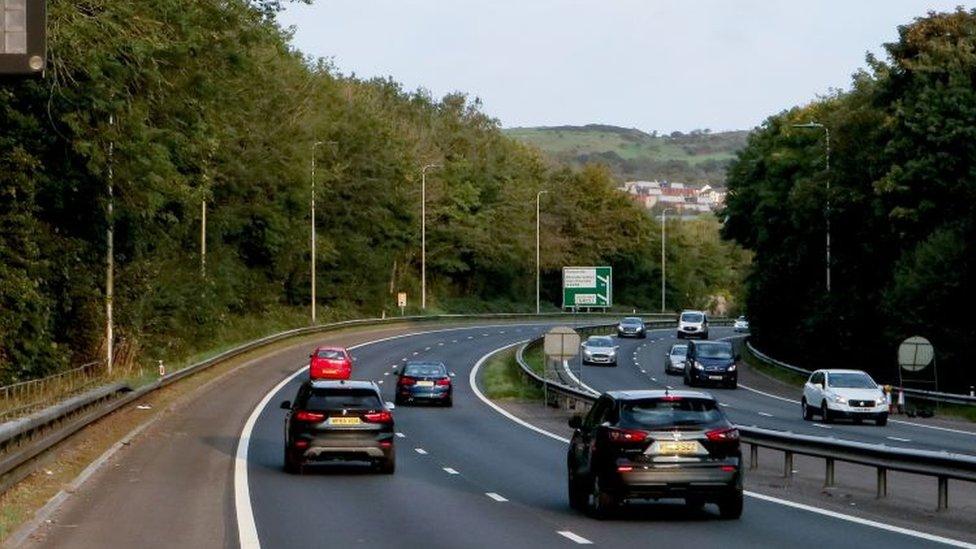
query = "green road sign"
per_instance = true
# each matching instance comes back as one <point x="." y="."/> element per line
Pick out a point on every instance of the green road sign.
<point x="587" y="287"/>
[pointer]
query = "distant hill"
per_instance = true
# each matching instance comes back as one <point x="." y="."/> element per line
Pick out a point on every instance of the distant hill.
<point x="699" y="156"/>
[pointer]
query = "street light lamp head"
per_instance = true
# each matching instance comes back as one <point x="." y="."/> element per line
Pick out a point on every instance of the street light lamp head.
<point x="810" y="124"/>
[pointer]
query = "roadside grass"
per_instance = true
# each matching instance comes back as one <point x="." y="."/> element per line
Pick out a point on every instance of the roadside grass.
<point x="786" y="376"/>
<point x="502" y="379"/>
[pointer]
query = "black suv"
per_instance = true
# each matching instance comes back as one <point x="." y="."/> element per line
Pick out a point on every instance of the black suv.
<point x="711" y="362"/>
<point x="338" y="420"/>
<point x="654" y="444"/>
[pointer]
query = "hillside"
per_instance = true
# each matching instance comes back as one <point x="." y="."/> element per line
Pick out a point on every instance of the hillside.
<point x="696" y="157"/>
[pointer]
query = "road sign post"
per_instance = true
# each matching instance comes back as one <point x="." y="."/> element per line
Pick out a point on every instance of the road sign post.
<point x="402" y="302"/>
<point x="588" y="287"/>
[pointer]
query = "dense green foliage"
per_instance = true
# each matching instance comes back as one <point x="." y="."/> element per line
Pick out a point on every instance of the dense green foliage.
<point x="699" y="156"/>
<point x="903" y="209"/>
<point x="210" y="103"/>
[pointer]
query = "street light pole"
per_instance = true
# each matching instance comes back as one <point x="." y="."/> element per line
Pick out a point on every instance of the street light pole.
<point x="538" y="197"/>
<point x="664" y="217"/>
<point x="817" y="125"/>
<point x="314" y="148"/>
<point x="423" y="234"/>
<point x="110" y="257"/>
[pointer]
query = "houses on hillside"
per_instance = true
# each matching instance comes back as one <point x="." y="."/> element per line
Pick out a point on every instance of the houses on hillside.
<point x="684" y="197"/>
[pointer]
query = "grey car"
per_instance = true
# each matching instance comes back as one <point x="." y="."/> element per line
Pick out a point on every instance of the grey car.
<point x="599" y="350"/>
<point x="674" y="361"/>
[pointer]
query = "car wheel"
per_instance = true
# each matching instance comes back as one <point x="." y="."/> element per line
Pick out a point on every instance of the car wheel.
<point x="705" y="335"/>
<point x="643" y="335"/>
<point x="730" y="507"/>
<point x="449" y="402"/>
<point x="388" y="465"/>
<point x="825" y="412"/>
<point x="807" y="412"/>
<point x="398" y="400"/>
<point x="577" y="493"/>
<point x="292" y="465"/>
<point x="882" y="420"/>
<point x="602" y="503"/>
<point x="733" y="385"/>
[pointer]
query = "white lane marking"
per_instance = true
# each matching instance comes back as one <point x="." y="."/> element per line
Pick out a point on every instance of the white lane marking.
<point x="946" y="429"/>
<point x="247" y="531"/>
<point x="723" y="404"/>
<point x="470" y="337"/>
<point x="485" y="335"/>
<point x="576" y="380"/>
<point x="450" y="471"/>
<point x="670" y="388"/>
<point x="426" y="348"/>
<point x="404" y="359"/>
<point x="653" y="379"/>
<point x="502" y="332"/>
<point x="380" y="381"/>
<point x="862" y="521"/>
<point x="765" y="414"/>
<point x="415" y="353"/>
<point x="472" y="378"/>
<point x="822" y="426"/>
<point x="643" y="371"/>
<point x="386" y="373"/>
<point x="453" y="341"/>
<point x="393" y="367"/>
<point x="770" y="395"/>
<point x="440" y="343"/>
<point x="420" y="451"/>
<point x="400" y="435"/>
<point x="573" y="537"/>
<point x="496" y="497"/>
<point x="899" y="439"/>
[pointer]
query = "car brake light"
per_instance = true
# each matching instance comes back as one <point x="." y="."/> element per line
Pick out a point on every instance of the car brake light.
<point x="670" y="398"/>
<point x="305" y="415"/>
<point x="728" y="468"/>
<point x="444" y="381"/>
<point x="624" y="469"/>
<point x="379" y="417"/>
<point x="627" y="435"/>
<point x="301" y="443"/>
<point x="407" y="381"/>
<point x="723" y="435"/>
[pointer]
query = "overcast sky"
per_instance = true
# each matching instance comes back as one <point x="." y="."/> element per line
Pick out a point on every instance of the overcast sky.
<point x="649" y="64"/>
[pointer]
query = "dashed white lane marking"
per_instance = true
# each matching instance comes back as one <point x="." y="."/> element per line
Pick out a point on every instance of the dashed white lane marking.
<point x="426" y="348"/>
<point x="386" y="373"/>
<point x="496" y="497"/>
<point x="723" y="404"/>
<point x="899" y="439"/>
<point x="502" y="332"/>
<point x="415" y="353"/>
<point x="420" y="451"/>
<point x="643" y="371"/>
<point x="453" y="341"/>
<point x="822" y="426"/>
<point x="670" y="388"/>
<point x="765" y="414"/>
<point x="653" y="379"/>
<point x="400" y="435"/>
<point x="404" y="359"/>
<point x="470" y="337"/>
<point x="393" y="366"/>
<point x="574" y="537"/>
<point x="440" y="343"/>
<point x="380" y="381"/>
<point x="450" y="471"/>
<point x="485" y="335"/>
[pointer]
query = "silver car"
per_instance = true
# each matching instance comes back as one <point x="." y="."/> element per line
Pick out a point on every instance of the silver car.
<point x="599" y="350"/>
<point x="741" y="324"/>
<point x="674" y="361"/>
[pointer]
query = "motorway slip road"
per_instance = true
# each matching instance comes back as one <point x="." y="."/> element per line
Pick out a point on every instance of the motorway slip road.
<point x="467" y="476"/>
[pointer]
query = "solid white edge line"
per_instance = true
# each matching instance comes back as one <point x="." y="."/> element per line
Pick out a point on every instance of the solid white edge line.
<point x="472" y="379"/>
<point x="576" y="380"/>
<point x="247" y="531"/>
<point x="573" y="537"/>
<point x="450" y="471"/>
<point x="497" y="497"/>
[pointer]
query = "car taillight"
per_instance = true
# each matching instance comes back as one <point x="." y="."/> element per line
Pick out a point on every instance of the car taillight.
<point x="379" y="417"/>
<point x="305" y="415"/>
<point x="444" y="381"/>
<point x="670" y="398"/>
<point x="301" y="443"/>
<point x="407" y="381"/>
<point x="723" y="435"/>
<point x="627" y="435"/>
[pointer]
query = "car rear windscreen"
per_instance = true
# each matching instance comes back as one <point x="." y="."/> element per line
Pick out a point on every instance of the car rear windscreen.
<point x="425" y="370"/>
<point x="657" y="413"/>
<point x="330" y="354"/>
<point x="691" y="317"/>
<point x="339" y="399"/>
<point x="679" y="350"/>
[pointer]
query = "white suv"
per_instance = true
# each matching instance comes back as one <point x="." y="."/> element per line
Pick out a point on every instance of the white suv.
<point x="692" y="324"/>
<point x="852" y="394"/>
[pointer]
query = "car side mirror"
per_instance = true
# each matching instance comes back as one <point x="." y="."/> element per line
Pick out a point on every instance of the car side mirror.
<point x="286" y="405"/>
<point x="576" y="421"/>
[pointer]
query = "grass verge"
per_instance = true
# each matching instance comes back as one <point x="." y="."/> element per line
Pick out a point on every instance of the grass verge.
<point x="502" y="379"/>
<point x="770" y="370"/>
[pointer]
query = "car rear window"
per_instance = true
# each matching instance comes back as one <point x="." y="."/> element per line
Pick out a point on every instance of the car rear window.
<point x="339" y="399"/>
<point x="331" y="354"/>
<point x="631" y="321"/>
<point x="658" y="413"/>
<point x="850" y="381"/>
<point x="691" y="317"/>
<point x="713" y="350"/>
<point x="425" y="370"/>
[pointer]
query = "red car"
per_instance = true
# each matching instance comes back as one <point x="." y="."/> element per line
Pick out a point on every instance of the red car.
<point x="330" y="363"/>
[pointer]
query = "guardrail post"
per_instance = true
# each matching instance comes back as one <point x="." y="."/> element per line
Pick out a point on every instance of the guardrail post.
<point x="829" y="476"/>
<point x="882" y="482"/>
<point x="753" y="456"/>
<point x="787" y="464"/>
<point x="943" y="493"/>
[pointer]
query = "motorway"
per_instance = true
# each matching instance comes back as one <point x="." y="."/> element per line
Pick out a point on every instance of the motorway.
<point x="467" y="476"/>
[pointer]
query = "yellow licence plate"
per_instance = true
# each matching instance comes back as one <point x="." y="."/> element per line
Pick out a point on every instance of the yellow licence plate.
<point x="425" y="384"/>
<point x="344" y="421"/>
<point x="678" y="447"/>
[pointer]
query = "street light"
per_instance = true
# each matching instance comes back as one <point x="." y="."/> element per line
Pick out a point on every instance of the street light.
<point x="314" y="148"/>
<point x="817" y="125"/>
<point x="538" y="197"/>
<point x="423" y="234"/>
<point x="664" y="217"/>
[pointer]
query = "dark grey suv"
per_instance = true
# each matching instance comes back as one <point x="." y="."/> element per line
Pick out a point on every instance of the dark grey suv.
<point x="653" y="444"/>
<point x="338" y="420"/>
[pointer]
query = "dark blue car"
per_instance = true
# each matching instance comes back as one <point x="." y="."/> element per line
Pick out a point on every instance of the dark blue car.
<point x="711" y="362"/>
<point x="424" y="382"/>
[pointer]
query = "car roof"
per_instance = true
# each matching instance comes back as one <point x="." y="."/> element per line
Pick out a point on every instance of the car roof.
<point x="599" y="337"/>
<point x="692" y="311"/>
<point x="656" y="393"/>
<point x="678" y="345"/>
<point x="842" y="371"/>
<point x="710" y="342"/>
<point x="424" y="363"/>
<point x="343" y="384"/>
<point x="632" y="319"/>
<point x="330" y="348"/>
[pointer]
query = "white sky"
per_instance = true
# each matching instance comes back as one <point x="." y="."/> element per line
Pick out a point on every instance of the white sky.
<point x="651" y="64"/>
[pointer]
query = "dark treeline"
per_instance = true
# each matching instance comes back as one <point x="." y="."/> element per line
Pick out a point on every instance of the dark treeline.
<point x="211" y="103"/>
<point x="903" y="208"/>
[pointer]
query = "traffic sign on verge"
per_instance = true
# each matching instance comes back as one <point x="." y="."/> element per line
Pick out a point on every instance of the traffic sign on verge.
<point x="561" y="343"/>
<point x="915" y="353"/>
<point x="587" y="287"/>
